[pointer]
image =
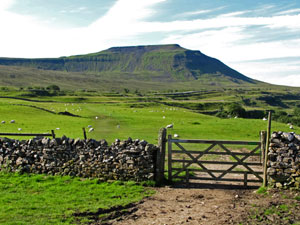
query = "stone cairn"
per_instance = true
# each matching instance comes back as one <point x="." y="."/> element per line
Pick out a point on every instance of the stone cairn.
<point x="284" y="160"/>
<point x="123" y="160"/>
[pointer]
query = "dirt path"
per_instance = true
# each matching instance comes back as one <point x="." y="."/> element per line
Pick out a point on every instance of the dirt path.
<point x="213" y="206"/>
<point x="186" y="206"/>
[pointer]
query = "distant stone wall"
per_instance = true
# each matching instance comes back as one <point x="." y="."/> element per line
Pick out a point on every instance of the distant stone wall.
<point x="123" y="160"/>
<point x="284" y="160"/>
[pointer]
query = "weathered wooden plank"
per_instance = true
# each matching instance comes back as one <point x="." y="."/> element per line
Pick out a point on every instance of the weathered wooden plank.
<point x="222" y="179"/>
<point x="215" y="162"/>
<point x="26" y="134"/>
<point x="215" y="142"/>
<point x="170" y="158"/>
<point x="216" y="171"/>
<point x="216" y="153"/>
<point x="160" y="156"/>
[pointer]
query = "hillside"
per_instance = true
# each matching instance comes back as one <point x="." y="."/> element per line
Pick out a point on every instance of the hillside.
<point x="157" y="63"/>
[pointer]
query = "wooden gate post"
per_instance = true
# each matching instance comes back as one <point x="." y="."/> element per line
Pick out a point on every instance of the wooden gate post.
<point x="263" y="136"/>
<point x="265" y="182"/>
<point x="160" y="156"/>
<point x="169" y="158"/>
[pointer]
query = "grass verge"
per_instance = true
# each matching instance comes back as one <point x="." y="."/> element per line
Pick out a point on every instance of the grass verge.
<point x="41" y="199"/>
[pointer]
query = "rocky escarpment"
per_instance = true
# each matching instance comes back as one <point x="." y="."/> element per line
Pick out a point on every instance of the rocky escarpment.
<point x="284" y="160"/>
<point x="122" y="160"/>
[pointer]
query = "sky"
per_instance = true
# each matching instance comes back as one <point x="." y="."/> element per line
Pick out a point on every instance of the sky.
<point x="260" y="39"/>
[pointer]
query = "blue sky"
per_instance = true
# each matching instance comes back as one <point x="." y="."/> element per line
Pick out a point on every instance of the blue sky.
<point x="260" y="39"/>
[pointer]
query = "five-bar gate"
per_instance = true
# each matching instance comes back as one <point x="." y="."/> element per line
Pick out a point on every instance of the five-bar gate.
<point x="219" y="161"/>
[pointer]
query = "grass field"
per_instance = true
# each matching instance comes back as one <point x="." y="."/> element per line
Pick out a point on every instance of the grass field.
<point x="40" y="199"/>
<point x="122" y="120"/>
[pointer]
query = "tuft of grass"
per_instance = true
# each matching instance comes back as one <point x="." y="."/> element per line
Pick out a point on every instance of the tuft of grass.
<point x="262" y="190"/>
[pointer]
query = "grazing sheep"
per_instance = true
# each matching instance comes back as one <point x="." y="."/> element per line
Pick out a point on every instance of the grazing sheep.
<point x="264" y="119"/>
<point x="164" y="117"/>
<point x="176" y="135"/>
<point x="2" y="121"/>
<point x="291" y="127"/>
<point x="57" y="128"/>
<point x="19" y="129"/>
<point x="169" y="126"/>
<point x="89" y="126"/>
<point x="96" y="117"/>
<point x="12" y="121"/>
<point x="91" y="129"/>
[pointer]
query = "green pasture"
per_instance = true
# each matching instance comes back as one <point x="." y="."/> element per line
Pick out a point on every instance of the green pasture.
<point x="40" y="199"/>
<point x="121" y="120"/>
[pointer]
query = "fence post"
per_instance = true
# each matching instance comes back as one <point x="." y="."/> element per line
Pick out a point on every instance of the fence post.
<point x="160" y="156"/>
<point x="84" y="133"/>
<point x="263" y="136"/>
<point x="53" y="134"/>
<point x="169" y="158"/>
<point x="265" y="182"/>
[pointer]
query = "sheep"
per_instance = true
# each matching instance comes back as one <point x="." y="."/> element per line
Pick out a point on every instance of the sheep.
<point x="96" y="117"/>
<point x="89" y="126"/>
<point x="264" y="119"/>
<point x="164" y="117"/>
<point x="169" y="126"/>
<point x="19" y="129"/>
<point x="12" y="121"/>
<point x="118" y="126"/>
<point x="2" y="121"/>
<point x="176" y="135"/>
<point x="291" y="127"/>
<point x="57" y="128"/>
<point x="91" y="129"/>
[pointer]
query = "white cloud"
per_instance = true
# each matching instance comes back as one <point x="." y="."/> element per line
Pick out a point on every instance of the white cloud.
<point x="193" y="13"/>
<point x="281" y="73"/>
<point x="288" y="12"/>
<point x="5" y="4"/>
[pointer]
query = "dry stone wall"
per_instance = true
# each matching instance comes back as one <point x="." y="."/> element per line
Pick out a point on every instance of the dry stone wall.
<point x="284" y="160"/>
<point x="122" y="160"/>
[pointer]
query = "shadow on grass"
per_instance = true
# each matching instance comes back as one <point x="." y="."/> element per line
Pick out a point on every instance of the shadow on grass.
<point x="105" y="216"/>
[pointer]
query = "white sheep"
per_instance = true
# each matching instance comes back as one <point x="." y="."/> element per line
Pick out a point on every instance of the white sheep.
<point x="57" y="128"/>
<point x="169" y="126"/>
<point x="12" y="121"/>
<point x="264" y="119"/>
<point x="176" y="135"/>
<point x="19" y="129"/>
<point x="89" y="126"/>
<point x="91" y="129"/>
<point x="96" y="117"/>
<point x="2" y="121"/>
<point x="291" y="127"/>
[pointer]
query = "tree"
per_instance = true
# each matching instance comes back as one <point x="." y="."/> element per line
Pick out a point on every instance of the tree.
<point x="236" y="109"/>
<point x="53" y="87"/>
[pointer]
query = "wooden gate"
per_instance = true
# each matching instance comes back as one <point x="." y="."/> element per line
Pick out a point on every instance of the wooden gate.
<point x="242" y="165"/>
